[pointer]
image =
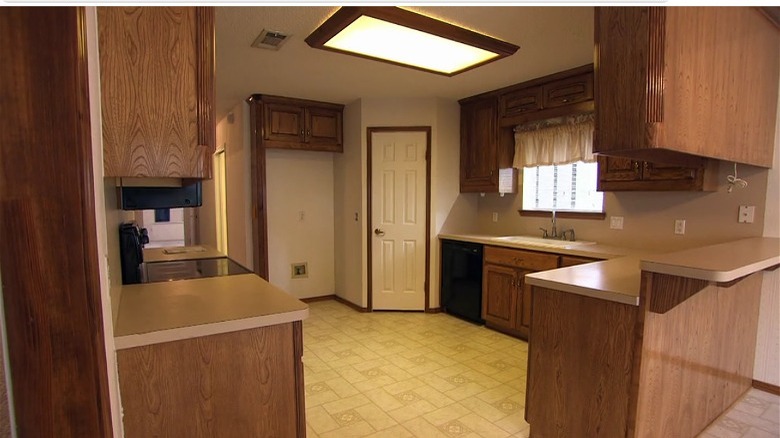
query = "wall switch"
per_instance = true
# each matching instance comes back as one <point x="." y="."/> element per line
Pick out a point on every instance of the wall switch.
<point x="747" y="213"/>
<point x="495" y="216"/>
<point x="679" y="226"/>
<point x="616" y="222"/>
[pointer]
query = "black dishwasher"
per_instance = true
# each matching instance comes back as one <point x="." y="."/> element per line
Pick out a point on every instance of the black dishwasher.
<point x="461" y="279"/>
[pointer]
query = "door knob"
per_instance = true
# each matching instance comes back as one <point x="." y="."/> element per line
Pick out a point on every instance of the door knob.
<point x="379" y="232"/>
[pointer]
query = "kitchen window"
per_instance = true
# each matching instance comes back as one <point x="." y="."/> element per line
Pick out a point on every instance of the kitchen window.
<point x="559" y="169"/>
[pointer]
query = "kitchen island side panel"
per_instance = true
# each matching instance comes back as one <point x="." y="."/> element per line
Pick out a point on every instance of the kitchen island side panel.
<point x="243" y="383"/>
<point x="697" y="358"/>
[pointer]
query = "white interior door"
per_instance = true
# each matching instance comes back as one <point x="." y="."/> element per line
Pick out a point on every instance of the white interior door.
<point x="398" y="186"/>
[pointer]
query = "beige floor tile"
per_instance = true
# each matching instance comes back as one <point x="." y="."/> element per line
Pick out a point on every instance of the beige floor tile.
<point x="483" y="427"/>
<point x="320" y="420"/>
<point x="356" y="430"/>
<point x="345" y="404"/>
<point x="423" y="429"/>
<point x="376" y="417"/>
<point x="412" y="410"/>
<point x="446" y="414"/>
<point x="397" y="431"/>
<point x="485" y="410"/>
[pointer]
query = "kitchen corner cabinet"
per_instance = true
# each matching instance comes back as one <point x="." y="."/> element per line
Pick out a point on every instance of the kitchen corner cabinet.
<point x="624" y="174"/>
<point x="157" y="91"/>
<point x="484" y="148"/>
<point x="678" y="82"/>
<point x="505" y="296"/>
<point x="289" y="123"/>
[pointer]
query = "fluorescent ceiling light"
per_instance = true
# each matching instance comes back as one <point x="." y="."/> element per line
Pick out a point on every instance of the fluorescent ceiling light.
<point x="405" y="38"/>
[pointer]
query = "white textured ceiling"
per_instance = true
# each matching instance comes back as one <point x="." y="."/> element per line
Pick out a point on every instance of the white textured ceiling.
<point x="550" y="39"/>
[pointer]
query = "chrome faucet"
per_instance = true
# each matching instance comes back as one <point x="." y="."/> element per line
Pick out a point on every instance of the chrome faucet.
<point x="553" y="234"/>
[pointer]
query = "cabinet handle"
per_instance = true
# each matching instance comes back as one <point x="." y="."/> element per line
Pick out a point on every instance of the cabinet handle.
<point x="301" y="132"/>
<point x="308" y="133"/>
<point x="565" y="100"/>
<point x="636" y="166"/>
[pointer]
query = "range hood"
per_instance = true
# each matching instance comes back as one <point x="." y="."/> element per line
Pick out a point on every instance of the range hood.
<point x="143" y="197"/>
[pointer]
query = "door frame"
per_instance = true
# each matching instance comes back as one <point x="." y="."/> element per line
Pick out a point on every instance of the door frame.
<point x="369" y="228"/>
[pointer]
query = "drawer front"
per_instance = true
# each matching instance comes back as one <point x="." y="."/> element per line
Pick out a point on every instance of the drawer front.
<point x="521" y="101"/>
<point x="573" y="261"/>
<point x="534" y="261"/>
<point x="568" y="91"/>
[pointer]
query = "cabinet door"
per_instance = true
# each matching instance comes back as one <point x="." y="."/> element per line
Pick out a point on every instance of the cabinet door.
<point x="323" y="129"/>
<point x="284" y="123"/>
<point x="479" y="146"/>
<point x="521" y="101"/>
<point x="499" y="295"/>
<point x="618" y="169"/>
<point x="524" y="307"/>
<point x="573" y="261"/>
<point x="568" y="91"/>
<point x="156" y="87"/>
<point x="663" y="172"/>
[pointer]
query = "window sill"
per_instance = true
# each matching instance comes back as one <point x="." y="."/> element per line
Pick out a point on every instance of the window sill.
<point x="564" y="214"/>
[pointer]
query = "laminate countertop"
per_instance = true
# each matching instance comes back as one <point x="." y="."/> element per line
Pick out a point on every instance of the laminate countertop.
<point x="575" y="248"/>
<point x="176" y="253"/>
<point x="153" y="313"/>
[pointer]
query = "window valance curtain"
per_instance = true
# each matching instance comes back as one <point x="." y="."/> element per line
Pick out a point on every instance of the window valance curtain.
<point x="562" y="140"/>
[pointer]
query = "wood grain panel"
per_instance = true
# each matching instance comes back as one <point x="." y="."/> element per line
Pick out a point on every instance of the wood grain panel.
<point x="48" y="255"/>
<point x="499" y="298"/>
<point x="479" y="146"/>
<point x="233" y="384"/>
<point x="696" y="359"/>
<point x="670" y="290"/>
<point x="580" y="365"/>
<point x="530" y="260"/>
<point x="259" y="202"/>
<point x="149" y="80"/>
<point x="205" y="61"/>
<point x="574" y="260"/>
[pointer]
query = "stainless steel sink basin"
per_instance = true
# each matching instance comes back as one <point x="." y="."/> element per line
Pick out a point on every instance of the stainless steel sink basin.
<point x="540" y="242"/>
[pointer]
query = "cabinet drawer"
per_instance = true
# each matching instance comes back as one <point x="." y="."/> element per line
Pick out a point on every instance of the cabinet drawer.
<point x="530" y="260"/>
<point x="521" y="101"/>
<point x="568" y="91"/>
<point x="573" y="261"/>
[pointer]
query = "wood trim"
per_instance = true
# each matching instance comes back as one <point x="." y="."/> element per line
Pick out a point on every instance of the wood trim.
<point x="205" y="74"/>
<point x="54" y="317"/>
<point x="347" y="14"/>
<point x="668" y="291"/>
<point x="766" y="387"/>
<point x="427" y="131"/>
<point x="259" y="213"/>
<point x="654" y="112"/>
<point x="433" y="310"/>
<point x="320" y="298"/>
<point x="350" y="304"/>
<point x="587" y="68"/>
<point x="564" y="214"/>
<point x="300" y="396"/>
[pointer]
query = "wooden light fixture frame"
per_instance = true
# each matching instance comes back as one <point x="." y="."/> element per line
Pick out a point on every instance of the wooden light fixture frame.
<point x="348" y="14"/>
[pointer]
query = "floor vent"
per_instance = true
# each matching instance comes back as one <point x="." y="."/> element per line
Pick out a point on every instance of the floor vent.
<point x="269" y="39"/>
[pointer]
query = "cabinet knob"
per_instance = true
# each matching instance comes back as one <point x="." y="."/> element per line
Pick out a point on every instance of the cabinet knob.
<point x="301" y="131"/>
<point x="565" y="100"/>
<point x="636" y="166"/>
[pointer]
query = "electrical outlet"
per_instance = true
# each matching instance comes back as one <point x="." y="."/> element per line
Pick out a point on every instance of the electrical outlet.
<point x="679" y="226"/>
<point x="747" y="213"/>
<point x="616" y="222"/>
<point x="495" y="216"/>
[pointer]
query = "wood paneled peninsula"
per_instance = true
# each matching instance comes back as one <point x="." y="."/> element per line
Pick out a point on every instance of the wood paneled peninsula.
<point x="654" y="345"/>
<point x="210" y="356"/>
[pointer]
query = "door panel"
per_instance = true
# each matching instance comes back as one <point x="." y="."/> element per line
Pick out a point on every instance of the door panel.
<point x="499" y="295"/>
<point x="284" y="123"/>
<point x="398" y="212"/>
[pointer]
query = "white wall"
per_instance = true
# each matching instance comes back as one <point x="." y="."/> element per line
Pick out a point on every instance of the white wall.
<point x="767" y="366"/>
<point x="300" y="182"/>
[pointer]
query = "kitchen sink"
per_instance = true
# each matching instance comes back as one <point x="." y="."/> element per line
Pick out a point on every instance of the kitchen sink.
<point x="540" y="242"/>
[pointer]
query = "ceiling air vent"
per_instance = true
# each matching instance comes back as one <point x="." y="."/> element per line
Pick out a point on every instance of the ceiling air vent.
<point x="270" y="39"/>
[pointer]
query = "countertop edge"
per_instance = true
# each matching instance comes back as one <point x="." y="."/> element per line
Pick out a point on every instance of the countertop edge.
<point x="597" y="251"/>
<point x="200" y="330"/>
<point x="584" y="291"/>
<point x="707" y="275"/>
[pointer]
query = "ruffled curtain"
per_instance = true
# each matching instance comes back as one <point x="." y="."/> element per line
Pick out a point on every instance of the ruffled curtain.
<point x="562" y="140"/>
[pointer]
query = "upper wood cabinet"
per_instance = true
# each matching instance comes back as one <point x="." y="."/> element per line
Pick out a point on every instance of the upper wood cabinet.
<point x="157" y="91"/>
<point x="682" y="81"/>
<point x="482" y="149"/>
<point x="289" y="123"/>
<point x="624" y="174"/>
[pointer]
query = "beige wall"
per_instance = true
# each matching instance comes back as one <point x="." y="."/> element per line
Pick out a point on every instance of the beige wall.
<point x="234" y="136"/>
<point x="349" y="211"/>
<point x="648" y="216"/>
<point x="300" y="181"/>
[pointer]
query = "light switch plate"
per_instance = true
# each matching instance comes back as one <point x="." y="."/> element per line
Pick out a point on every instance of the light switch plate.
<point x="679" y="226"/>
<point x="495" y="216"/>
<point x="616" y="222"/>
<point x="747" y="214"/>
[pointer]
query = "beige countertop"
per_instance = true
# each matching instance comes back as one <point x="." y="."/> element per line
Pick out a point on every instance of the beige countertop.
<point x="169" y="311"/>
<point x="576" y="248"/>
<point x="722" y="262"/>
<point x="176" y="253"/>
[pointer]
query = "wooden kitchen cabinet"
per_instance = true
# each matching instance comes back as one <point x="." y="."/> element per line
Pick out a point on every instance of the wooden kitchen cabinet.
<point x="157" y="91"/>
<point x="625" y="174"/>
<point x="676" y="83"/>
<point x="505" y="296"/>
<point x="484" y="149"/>
<point x="289" y="123"/>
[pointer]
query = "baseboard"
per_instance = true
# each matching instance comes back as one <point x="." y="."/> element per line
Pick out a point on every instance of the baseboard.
<point x="766" y="387"/>
<point x="433" y="310"/>
<point x="320" y="298"/>
<point x="350" y="304"/>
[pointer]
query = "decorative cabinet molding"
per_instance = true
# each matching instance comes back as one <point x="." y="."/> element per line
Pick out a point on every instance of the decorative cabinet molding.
<point x="625" y="174"/>
<point x="157" y="91"/>
<point x="289" y="123"/>
<point x="672" y="83"/>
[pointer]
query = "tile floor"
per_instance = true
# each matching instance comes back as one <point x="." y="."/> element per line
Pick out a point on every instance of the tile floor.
<point x="396" y="374"/>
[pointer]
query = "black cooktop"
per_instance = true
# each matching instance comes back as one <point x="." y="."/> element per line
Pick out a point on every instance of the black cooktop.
<point x="189" y="269"/>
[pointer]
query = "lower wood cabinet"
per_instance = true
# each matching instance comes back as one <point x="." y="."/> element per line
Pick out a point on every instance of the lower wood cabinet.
<point x="625" y="174"/>
<point x="244" y="384"/>
<point x="505" y="296"/>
